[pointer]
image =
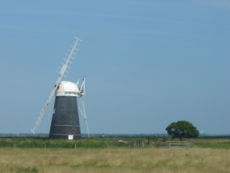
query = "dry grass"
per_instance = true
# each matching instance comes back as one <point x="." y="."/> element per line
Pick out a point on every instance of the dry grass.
<point x="114" y="160"/>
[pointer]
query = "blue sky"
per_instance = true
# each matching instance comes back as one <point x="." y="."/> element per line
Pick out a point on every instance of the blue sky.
<point x="147" y="62"/>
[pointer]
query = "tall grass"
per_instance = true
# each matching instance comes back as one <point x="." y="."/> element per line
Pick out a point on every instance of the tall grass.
<point x="113" y="160"/>
<point x="46" y="143"/>
<point x="96" y="142"/>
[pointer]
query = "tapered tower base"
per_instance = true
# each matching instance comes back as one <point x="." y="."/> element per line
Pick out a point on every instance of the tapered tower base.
<point x="65" y="121"/>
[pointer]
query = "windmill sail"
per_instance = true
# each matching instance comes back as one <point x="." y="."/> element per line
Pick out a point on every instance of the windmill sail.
<point x="81" y="105"/>
<point x="84" y="115"/>
<point x="61" y="75"/>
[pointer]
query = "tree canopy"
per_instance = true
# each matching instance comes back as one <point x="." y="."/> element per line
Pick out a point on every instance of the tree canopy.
<point x="182" y="129"/>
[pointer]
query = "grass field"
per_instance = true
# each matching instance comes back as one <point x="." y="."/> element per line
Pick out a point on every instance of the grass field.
<point x="107" y="155"/>
<point x="112" y="160"/>
<point x="108" y="142"/>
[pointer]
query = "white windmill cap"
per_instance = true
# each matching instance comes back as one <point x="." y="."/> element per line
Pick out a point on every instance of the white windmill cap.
<point x="67" y="88"/>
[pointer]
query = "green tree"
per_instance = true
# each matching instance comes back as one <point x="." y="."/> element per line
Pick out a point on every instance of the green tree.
<point x="182" y="129"/>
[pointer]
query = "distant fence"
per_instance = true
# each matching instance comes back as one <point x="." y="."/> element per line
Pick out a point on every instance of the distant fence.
<point x="174" y="144"/>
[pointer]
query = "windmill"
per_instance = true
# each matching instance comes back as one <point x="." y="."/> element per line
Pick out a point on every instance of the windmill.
<point x="65" y="121"/>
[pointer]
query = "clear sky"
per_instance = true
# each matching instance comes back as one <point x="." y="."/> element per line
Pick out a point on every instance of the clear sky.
<point x="147" y="62"/>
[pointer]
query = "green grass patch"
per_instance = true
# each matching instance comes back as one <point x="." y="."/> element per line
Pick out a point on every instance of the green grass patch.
<point x="106" y="142"/>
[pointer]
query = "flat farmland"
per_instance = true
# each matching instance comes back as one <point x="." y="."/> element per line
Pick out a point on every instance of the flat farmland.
<point x="113" y="160"/>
